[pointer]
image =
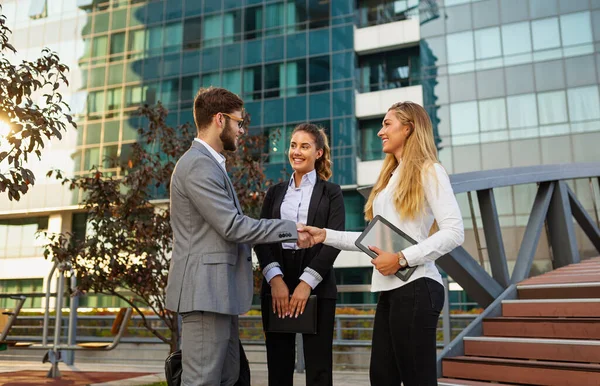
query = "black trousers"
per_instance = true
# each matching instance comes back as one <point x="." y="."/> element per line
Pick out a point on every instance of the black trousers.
<point x="404" y="335"/>
<point x="318" y="350"/>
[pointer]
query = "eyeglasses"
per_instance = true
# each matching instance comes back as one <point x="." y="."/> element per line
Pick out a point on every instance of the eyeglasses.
<point x="240" y="121"/>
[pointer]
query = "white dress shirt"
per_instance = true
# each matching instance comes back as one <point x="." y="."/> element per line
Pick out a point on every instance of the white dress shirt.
<point x="440" y="205"/>
<point x="217" y="156"/>
<point x="295" y="208"/>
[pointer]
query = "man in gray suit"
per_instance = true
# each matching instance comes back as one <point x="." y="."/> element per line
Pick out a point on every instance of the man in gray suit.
<point x="210" y="278"/>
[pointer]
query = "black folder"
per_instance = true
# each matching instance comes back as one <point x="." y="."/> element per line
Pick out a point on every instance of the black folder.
<point x="305" y="323"/>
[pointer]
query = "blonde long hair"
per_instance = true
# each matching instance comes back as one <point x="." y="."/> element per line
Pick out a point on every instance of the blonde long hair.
<point x="419" y="154"/>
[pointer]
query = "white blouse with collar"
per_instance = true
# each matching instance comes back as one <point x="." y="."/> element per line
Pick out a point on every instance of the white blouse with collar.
<point x="440" y="205"/>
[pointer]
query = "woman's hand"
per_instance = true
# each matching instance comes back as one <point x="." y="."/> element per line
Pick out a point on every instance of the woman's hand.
<point x="385" y="262"/>
<point x="299" y="299"/>
<point x="281" y="296"/>
<point x="317" y="234"/>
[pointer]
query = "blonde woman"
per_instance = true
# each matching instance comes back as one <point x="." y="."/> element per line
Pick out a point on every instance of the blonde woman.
<point x="412" y="191"/>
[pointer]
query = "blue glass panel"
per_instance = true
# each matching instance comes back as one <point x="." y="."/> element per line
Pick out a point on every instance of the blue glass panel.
<point x="255" y="111"/>
<point x="342" y="7"/>
<point x="171" y="65"/>
<point x="273" y="112"/>
<point x="211" y="59"/>
<point x="319" y="41"/>
<point x="173" y="9"/>
<point x="211" y="5"/>
<point x="193" y="8"/>
<point x="232" y="55"/>
<point x="229" y="4"/>
<point x="191" y="62"/>
<point x="253" y="52"/>
<point x="296" y="45"/>
<point x="251" y="2"/>
<point x="152" y="68"/>
<point x="343" y="20"/>
<point x="295" y="109"/>
<point x="343" y="65"/>
<point x="344" y="171"/>
<point x="342" y="38"/>
<point x="277" y="172"/>
<point x="154" y="12"/>
<point x="186" y="116"/>
<point x="319" y="105"/>
<point x="274" y="49"/>
<point x="344" y="135"/>
<point x="344" y="84"/>
<point x="343" y="102"/>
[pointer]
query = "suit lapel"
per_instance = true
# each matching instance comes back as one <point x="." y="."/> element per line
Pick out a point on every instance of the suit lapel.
<point x="279" y="195"/>
<point x="229" y="184"/>
<point x="315" y="199"/>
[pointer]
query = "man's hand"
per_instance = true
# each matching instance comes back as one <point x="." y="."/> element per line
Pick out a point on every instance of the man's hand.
<point x="317" y="234"/>
<point x="305" y="239"/>
<point x="385" y="262"/>
<point x="299" y="299"/>
<point x="281" y="296"/>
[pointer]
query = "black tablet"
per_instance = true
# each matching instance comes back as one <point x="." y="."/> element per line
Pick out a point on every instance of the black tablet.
<point x="384" y="235"/>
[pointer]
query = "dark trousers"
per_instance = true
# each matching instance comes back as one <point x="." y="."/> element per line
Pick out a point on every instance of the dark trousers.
<point x="404" y="335"/>
<point x="318" y="350"/>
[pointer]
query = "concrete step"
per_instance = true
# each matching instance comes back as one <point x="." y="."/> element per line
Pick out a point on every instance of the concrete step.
<point x="562" y="328"/>
<point x="521" y="372"/>
<point x="465" y="382"/>
<point x="551" y="308"/>
<point x="567" y="350"/>
<point x="588" y="290"/>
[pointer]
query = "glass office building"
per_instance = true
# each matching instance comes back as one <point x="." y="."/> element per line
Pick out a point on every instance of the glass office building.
<point x="506" y="82"/>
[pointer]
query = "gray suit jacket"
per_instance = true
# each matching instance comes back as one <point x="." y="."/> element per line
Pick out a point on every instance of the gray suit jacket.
<point x="211" y="265"/>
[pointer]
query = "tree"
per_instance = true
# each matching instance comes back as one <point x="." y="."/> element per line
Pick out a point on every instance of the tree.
<point x="25" y="126"/>
<point x="126" y="250"/>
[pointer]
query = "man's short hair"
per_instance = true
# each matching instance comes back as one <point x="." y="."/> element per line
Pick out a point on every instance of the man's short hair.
<point x="212" y="100"/>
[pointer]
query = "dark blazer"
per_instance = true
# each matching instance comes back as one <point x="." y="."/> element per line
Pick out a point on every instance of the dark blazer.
<point x="326" y="210"/>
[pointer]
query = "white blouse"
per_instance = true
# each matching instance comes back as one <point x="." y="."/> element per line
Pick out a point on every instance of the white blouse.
<point x="440" y="205"/>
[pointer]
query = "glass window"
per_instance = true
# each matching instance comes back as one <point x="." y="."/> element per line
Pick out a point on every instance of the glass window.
<point x="119" y="19"/>
<point x="111" y="131"/>
<point x="545" y="34"/>
<point x="173" y="37"/>
<point x="584" y="104"/>
<point x="113" y="99"/>
<point x="296" y="15"/>
<point x="192" y="33"/>
<point x="318" y="13"/>
<point x="213" y="79"/>
<point x="189" y="87"/>
<point x="542" y="8"/>
<point x="37" y="9"/>
<point x="388" y="70"/>
<point x="101" y="22"/>
<point x="91" y="158"/>
<point x="21" y="286"/>
<point x="252" y="83"/>
<point x="137" y="40"/>
<point x="117" y="45"/>
<point x="95" y="102"/>
<point x="576" y="28"/>
<point x="232" y="25"/>
<point x="295" y="77"/>
<point x="277" y="144"/>
<point x="253" y="22"/>
<point x="319" y="73"/>
<point x="115" y="74"/>
<point x="212" y="30"/>
<point x="552" y="107"/>
<point x="354" y="204"/>
<point x="373" y="12"/>
<point x="92" y="133"/>
<point x="464" y="118"/>
<point x="492" y="114"/>
<point x="110" y="157"/>
<point x="232" y="81"/>
<point x="460" y="47"/>
<point x="97" y="76"/>
<point x="169" y="91"/>
<point x="274" y="18"/>
<point x="516" y="38"/>
<point x="274" y="76"/>
<point x="522" y="111"/>
<point x="154" y="40"/>
<point x="487" y="43"/>
<point x="100" y="46"/>
<point x="371" y="146"/>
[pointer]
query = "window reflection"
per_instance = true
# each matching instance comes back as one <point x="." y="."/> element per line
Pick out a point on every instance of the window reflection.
<point x="371" y="147"/>
<point x="388" y="70"/>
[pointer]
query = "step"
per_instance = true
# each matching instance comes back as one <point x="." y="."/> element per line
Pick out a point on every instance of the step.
<point x="568" y="350"/>
<point x="465" y="382"/>
<point x="559" y="291"/>
<point x="563" y="328"/>
<point x="566" y="277"/>
<point x="552" y="308"/>
<point x="522" y="372"/>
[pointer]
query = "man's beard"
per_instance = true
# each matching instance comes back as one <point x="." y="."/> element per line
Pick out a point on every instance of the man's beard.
<point x="228" y="139"/>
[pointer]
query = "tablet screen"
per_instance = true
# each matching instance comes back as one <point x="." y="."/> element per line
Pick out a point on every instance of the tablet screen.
<point x="385" y="237"/>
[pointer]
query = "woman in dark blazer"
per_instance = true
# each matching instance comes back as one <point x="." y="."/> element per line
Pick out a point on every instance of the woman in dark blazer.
<point x="306" y="198"/>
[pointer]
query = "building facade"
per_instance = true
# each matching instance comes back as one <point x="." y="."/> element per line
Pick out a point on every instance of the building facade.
<point x="506" y="82"/>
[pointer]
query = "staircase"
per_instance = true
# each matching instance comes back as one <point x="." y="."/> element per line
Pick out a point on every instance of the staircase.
<point x="549" y="336"/>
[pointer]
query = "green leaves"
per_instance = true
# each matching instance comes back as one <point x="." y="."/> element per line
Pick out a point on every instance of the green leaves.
<point x="31" y="125"/>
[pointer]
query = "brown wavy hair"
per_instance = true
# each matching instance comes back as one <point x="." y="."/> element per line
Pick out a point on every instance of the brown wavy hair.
<point x="419" y="156"/>
<point x="322" y="164"/>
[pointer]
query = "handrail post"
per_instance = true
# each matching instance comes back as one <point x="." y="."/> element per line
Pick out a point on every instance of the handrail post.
<point x="47" y="305"/>
<point x="54" y="372"/>
<point x="299" y="354"/>
<point x="446" y="328"/>
<point x="72" y="331"/>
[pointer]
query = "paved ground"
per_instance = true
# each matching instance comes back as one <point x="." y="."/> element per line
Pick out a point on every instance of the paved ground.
<point x="34" y="373"/>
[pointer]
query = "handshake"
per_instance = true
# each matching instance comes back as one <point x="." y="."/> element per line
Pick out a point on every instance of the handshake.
<point x="309" y="236"/>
